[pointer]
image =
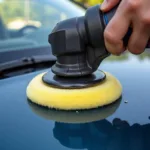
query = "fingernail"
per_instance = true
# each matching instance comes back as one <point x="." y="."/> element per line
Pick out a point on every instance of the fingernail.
<point x="104" y="5"/>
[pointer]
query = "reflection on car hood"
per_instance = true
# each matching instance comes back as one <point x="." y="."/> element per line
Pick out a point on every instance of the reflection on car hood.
<point x="18" y="24"/>
<point x="126" y="128"/>
<point x="18" y="43"/>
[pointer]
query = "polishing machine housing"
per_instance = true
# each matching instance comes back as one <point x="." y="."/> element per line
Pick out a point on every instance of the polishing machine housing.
<point x="78" y="43"/>
<point x="74" y="83"/>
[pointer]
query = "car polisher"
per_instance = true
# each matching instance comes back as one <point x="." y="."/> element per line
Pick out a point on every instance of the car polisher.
<point x="74" y="82"/>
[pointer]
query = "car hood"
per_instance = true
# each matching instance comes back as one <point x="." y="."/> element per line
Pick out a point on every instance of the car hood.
<point x="123" y="125"/>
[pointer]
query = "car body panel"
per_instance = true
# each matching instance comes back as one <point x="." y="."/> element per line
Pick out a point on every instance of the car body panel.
<point x="127" y="128"/>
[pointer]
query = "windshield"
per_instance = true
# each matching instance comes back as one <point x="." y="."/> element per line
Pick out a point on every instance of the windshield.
<point x="27" y="23"/>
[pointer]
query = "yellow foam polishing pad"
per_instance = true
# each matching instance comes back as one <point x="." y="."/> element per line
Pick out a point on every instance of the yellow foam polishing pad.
<point x="103" y="93"/>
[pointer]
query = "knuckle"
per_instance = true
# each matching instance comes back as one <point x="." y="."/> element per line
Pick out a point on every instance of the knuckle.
<point x="117" y="53"/>
<point x="133" y="4"/>
<point x="109" y="36"/>
<point x="136" y="51"/>
<point x="145" y="20"/>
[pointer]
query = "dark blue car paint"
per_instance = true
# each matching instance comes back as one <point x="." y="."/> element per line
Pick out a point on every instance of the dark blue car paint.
<point x="127" y="129"/>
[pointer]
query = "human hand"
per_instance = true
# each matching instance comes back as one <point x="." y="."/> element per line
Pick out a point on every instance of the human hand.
<point x="134" y="13"/>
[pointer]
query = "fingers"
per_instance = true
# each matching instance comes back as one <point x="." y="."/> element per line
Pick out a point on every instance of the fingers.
<point x="130" y="13"/>
<point x="108" y="5"/>
<point x="115" y="32"/>
<point x="138" y="40"/>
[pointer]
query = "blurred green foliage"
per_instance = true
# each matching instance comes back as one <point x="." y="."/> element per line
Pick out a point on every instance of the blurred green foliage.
<point x="127" y="55"/>
<point x="11" y="10"/>
<point x="122" y="57"/>
<point x="145" y="55"/>
<point x="90" y="2"/>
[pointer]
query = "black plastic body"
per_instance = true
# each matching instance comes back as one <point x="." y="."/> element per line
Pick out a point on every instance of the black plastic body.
<point x="73" y="83"/>
<point x="78" y="44"/>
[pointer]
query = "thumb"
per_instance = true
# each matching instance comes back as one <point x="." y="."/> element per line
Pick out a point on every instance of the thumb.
<point x="108" y="5"/>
